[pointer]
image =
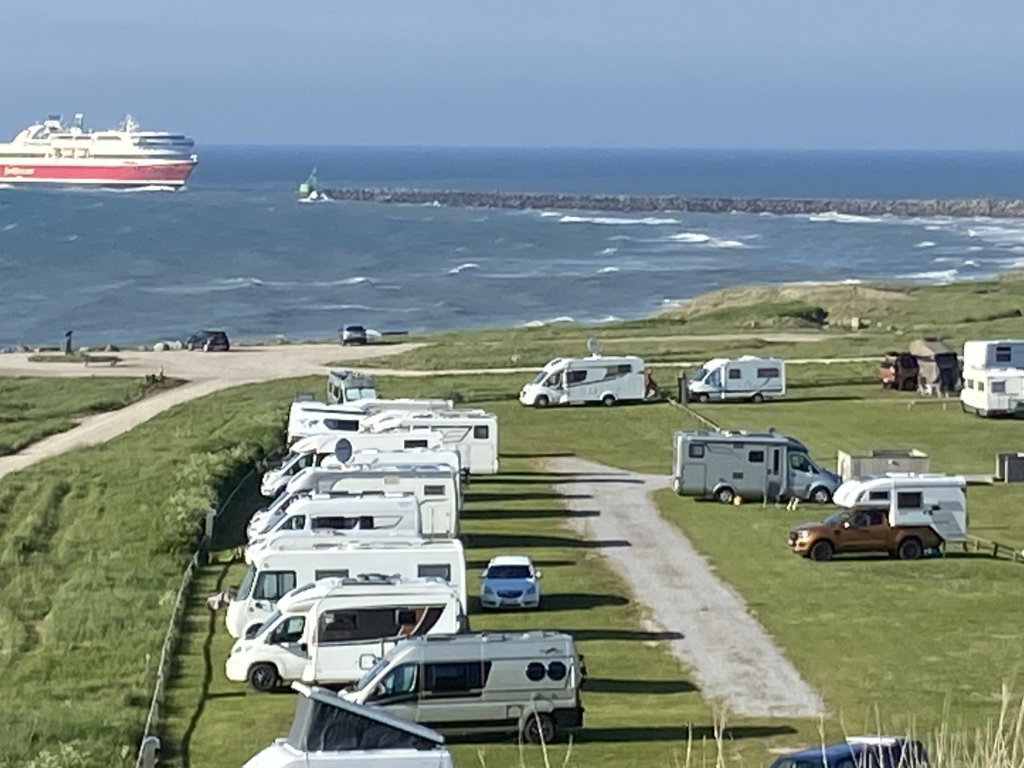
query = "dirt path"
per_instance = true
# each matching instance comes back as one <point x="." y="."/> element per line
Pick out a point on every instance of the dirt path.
<point x="733" y="659"/>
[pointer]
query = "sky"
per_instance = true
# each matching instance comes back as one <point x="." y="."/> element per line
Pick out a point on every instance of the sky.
<point x="793" y="74"/>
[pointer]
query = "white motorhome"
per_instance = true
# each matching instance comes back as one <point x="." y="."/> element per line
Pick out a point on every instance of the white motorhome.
<point x="596" y="379"/>
<point x="527" y="683"/>
<point x="352" y="515"/>
<point x="333" y="452"/>
<point x="276" y="572"/>
<point x="474" y="433"/>
<point x="993" y="391"/>
<point x="345" y="386"/>
<point x="329" y="732"/>
<point x="308" y="417"/>
<point x="742" y="378"/>
<point x="331" y="631"/>
<point x="994" y="353"/>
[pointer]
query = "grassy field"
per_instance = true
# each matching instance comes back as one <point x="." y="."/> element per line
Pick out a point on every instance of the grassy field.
<point x="32" y="408"/>
<point x="90" y="559"/>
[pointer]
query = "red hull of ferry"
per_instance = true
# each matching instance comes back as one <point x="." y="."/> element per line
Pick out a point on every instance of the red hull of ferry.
<point x="121" y="174"/>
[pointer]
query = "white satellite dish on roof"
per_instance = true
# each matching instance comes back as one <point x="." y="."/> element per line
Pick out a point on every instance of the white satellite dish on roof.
<point x="593" y="347"/>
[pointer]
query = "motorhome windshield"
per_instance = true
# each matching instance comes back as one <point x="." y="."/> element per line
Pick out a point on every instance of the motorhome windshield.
<point x="246" y="586"/>
<point x="360" y="393"/>
<point x="539" y="378"/>
<point x="700" y="374"/>
<point x="366" y="679"/>
<point x="271" y="620"/>
<point x="272" y="520"/>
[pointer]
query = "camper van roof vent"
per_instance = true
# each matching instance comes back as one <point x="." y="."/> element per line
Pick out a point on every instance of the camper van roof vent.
<point x="374" y="578"/>
<point x="305" y="397"/>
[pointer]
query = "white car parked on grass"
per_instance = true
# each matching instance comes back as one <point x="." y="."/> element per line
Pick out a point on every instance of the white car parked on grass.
<point x="510" y="581"/>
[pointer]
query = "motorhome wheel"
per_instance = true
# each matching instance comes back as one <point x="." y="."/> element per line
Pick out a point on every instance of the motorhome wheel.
<point x="703" y="397"/>
<point x="821" y="495"/>
<point x="910" y="549"/>
<point x="539" y="729"/>
<point x="608" y="400"/>
<point x="821" y="550"/>
<point x="725" y="494"/>
<point x="757" y="398"/>
<point x="541" y="401"/>
<point x="263" y="677"/>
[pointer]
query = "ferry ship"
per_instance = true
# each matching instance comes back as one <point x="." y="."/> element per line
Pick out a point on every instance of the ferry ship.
<point x="53" y="153"/>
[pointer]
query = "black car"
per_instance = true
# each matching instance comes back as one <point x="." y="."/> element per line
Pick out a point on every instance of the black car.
<point x="209" y="341"/>
<point x="353" y="334"/>
<point x="859" y="752"/>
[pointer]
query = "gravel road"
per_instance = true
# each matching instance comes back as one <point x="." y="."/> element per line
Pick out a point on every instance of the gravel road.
<point x="734" y="661"/>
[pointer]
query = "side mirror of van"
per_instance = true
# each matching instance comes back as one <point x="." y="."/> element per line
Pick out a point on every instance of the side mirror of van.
<point x="304" y="647"/>
<point x="538" y="574"/>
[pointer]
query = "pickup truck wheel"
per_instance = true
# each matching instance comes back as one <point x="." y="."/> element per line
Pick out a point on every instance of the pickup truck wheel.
<point x="541" y="401"/>
<point x="263" y="677"/>
<point x="910" y="549"/>
<point x="539" y="729"/>
<point x="821" y="550"/>
<point x="725" y="495"/>
<point x="821" y="495"/>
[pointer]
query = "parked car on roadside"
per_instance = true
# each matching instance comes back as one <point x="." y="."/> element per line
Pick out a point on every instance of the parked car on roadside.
<point x="353" y="334"/>
<point x="209" y="341"/>
<point x="510" y="581"/>
<point x="859" y="752"/>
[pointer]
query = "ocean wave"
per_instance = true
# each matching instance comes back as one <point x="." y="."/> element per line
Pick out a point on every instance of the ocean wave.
<point x="552" y="321"/>
<point x="650" y="221"/>
<point x="607" y="270"/>
<point x="69" y="238"/>
<point x="550" y="214"/>
<point x="608" y="251"/>
<point x="971" y="263"/>
<point x="147" y="188"/>
<point x="463" y="268"/>
<point x="716" y="243"/>
<point x="607" y="319"/>
<point x="843" y="218"/>
<point x="925" y="244"/>
<point x="690" y="237"/>
<point x="620" y="238"/>
<point x="9" y="227"/>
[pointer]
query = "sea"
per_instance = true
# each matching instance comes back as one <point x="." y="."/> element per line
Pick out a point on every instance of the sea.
<point x="236" y="251"/>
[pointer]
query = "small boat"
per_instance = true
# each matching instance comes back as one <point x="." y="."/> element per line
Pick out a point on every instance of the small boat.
<point x="308" y="193"/>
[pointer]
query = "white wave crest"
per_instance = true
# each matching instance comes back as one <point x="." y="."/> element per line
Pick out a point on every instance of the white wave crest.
<point x="620" y="238"/>
<point x="146" y="188"/>
<point x="542" y="323"/>
<point x="607" y="270"/>
<point x="608" y="251"/>
<point x="650" y="221"/>
<point x="69" y="238"/>
<point x="690" y="237"/>
<point x="550" y="214"/>
<point x="716" y="243"/>
<point x="935" y="276"/>
<point x="971" y="263"/>
<point x="925" y="244"/>
<point x="463" y="268"/>
<point x="842" y="218"/>
<point x="9" y="227"/>
<point x="6" y="186"/>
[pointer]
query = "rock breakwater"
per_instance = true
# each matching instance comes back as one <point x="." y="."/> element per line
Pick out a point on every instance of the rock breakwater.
<point x="958" y="207"/>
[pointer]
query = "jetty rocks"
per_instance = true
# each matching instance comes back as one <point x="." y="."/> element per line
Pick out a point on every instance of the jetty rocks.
<point x="958" y="207"/>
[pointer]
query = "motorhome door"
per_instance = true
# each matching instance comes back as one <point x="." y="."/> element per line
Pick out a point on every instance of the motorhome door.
<point x="801" y="474"/>
<point x="774" y="474"/>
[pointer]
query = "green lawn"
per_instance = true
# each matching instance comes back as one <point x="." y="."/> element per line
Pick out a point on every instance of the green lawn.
<point x="32" y="408"/>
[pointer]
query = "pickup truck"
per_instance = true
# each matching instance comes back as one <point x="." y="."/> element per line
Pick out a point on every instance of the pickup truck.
<point x="861" y="530"/>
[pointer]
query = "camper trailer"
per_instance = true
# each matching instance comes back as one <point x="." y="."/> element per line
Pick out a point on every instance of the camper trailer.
<point x="352" y="515"/>
<point x="993" y="391"/>
<point x="938" y="367"/>
<point x="329" y="732"/>
<point x="902" y="514"/>
<point x="744" y="378"/>
<point x="996" y="354"/>
<point x="748" y="465"/>
<point x="332" y="452"/>
<point x="350" y="387"/>
<point x="276" y="572"/>
<point x="595" y="379"/>
<point x="333" y="630"/>
<point x="474" y="433"/>
<point x="528" y="683"/>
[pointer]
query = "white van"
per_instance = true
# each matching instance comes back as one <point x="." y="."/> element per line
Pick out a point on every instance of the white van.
<point x="994" y="353"/>
<point x="474" y="433"/>
<point x="993" y="391"/>
<point x="527" y="683"/>
<point x="331" y="631"/>
<point x="329" y="732"/>
<point x="332" y="451"/>
<point x="276" y="572"/>
<point x="595" y="379"/>
<point x="352" y="515"/>
<point x="345" y="386"/>
<point x="742" y="378"/>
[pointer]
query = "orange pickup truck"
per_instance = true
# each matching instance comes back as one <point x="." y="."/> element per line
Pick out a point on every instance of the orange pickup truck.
<point x="861" y="531"/>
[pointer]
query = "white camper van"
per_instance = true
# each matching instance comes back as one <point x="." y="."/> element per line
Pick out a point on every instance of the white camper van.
<point x="743" y="378"/>
<point x="345" y="386"/>
<point x="351" y="515"/>
<point x="596" y="379"/>
<point x="474" y="433"/>
<point x="333" y="630"/>
<point x="329" y="732"/>
<point x="308" y="417"/>
<point x="994" y="353"/>
<point x="993" y="391"/>
<point x="276" y="572"/>
<point x="332" y="452"/>
<point x="526" y="683"/>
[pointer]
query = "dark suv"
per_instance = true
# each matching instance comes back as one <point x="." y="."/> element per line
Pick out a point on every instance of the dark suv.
<point x="353" y="334"/>
<point x="209" y="341"/>
<point x="859" y="752"/>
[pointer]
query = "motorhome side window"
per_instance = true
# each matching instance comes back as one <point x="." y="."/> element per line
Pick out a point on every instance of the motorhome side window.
<point x="342" y="425"/>
<point x="415" y="443"/>
<point x="623" y="369"/>
<point x="734" y="373"/>
<point x="1003" y="355"/>
<point x="696" y="451"/>
<point x="909" y="499"/>
<point x="878" y="495"/>
<point x="998" y="387"/>
<point x="271" y="585"/>
<point x="343" y="626"/>
<point x="767" y="373"/>
<point x="435" y="572"/>
<point x="575" y="377"/>
<point x="455" y="677"/>
<point x="756" y="457"/>
<point x="433" y="490"/>
<point x="481" y="432"/>
<point x="328" y="574"/>
<point x="294" y="524"/>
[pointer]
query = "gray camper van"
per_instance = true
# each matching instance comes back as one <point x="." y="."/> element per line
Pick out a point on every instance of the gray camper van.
<point x="748" y="465"/>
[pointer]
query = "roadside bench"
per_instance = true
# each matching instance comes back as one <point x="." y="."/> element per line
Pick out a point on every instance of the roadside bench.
<point x="101" y="359"/>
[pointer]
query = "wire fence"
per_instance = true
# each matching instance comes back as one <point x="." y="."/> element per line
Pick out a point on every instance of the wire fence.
<point x="149" y="745"/>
